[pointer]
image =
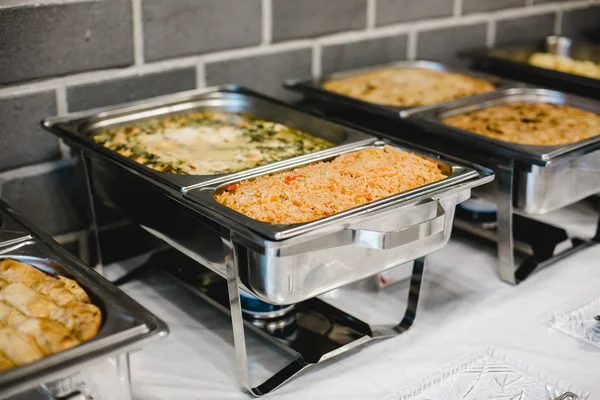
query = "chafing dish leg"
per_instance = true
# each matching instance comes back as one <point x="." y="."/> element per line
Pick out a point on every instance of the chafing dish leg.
<point x="239" y="336"/>
<point x="504" y="195"/>
<point x="382" y="332"/>
<point x="596" y="237"/>
<point x="93" y="256"/>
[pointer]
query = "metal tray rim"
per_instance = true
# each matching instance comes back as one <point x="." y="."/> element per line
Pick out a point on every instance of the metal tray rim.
<point x="68" y="126"/>
<point x="543" y="154"/>
<point x="492" y="54"/>
<point x="149" y="327"/>
<point x="314" y="85"/>
<point x="204" y="197"/>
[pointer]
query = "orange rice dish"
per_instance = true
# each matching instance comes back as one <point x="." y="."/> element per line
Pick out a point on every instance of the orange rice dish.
<point x="318" y="190"/>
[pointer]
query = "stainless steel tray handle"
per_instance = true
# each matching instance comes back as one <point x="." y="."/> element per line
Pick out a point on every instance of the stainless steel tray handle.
<point x="388" y="240"/>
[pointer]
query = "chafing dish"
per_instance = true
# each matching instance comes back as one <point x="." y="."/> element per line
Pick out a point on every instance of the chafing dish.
<point x="532" y="179"/>
<point x="291" y="263"/>
<point x="126" y="325"/>
<point x="280" y="264"/>
<point x="187" y="216"/>
<point x="512" y="61"/>
<point x="228" y="98"/>
<point x="549" y="177"/>
<point x="312" y="88"/>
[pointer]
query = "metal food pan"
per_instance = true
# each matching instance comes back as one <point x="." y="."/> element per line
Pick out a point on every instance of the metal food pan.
<point x="11" y="231"/>
<point x="286" y="264"/>
<point x="79" y="126"/>
<point x="126" y="325"/>
<point x="512" y="61"/>
<point x="550" y="177"/>
<point x="305" y="260"/>
<point x="205" y="196"/>
<point x="312" y="88"/>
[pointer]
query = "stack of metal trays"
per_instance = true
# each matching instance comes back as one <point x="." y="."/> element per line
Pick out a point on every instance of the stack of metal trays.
<point x="126" y="325"/>
<point x="512" y="61"/>
<point x="313" y="91"/>
<point x="547" y="177"/>
<point x="280" y="264"/>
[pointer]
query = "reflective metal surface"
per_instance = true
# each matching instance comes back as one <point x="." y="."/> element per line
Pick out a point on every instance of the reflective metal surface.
<point x="556" y="175"/>
<point x="78" y="127"/>
<point x="520" y="186"/>
<point x="312" y="88"/>
<point x="320" y="332"/>
<point x="430" y="117"/>
<point x="513" y="230"/>
<point x="364" y="238"/>
<point x="558" y="45"/>
<point x="126" y="325"/>
<point x="512" y="61"/>
<point x="315" y="257"/>
<point x="281" y="264"/>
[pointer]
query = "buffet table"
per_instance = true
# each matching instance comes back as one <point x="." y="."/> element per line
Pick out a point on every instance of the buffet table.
<point x="464" y="308"/>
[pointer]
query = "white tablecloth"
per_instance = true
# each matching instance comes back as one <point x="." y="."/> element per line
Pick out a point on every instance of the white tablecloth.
<point x="464" y="307"/>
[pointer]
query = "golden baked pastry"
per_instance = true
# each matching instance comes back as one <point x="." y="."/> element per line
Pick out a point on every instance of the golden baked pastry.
<point x="408" y="87"/>
<point x="41" y="314"/>
<point x="539" y="124"/>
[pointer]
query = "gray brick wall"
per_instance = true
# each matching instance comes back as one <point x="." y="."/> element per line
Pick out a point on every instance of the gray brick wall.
<point x="62" y="56"/>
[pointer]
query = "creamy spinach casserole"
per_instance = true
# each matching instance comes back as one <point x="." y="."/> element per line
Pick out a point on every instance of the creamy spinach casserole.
<point x="207" y="142"/>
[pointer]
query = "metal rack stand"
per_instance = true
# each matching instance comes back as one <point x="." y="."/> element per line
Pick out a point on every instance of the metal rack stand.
<point x="310" y="343"/>
<point x="515" y="232"/>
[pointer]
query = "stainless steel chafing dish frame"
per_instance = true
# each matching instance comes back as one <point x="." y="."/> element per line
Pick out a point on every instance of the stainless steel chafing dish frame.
<point x="511" y="61"/>
<point x="250" y="261"/>
<point x="529" y="179"/>
<point x="312" y="88"/>
<point x="229" y="98"/>
<point x="543" y="162"/>
<point x="126" y="325"/>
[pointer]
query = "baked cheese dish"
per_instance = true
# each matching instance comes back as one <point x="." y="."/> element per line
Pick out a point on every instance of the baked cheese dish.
<point x="41" y="314"/>
<point x="541" y="124"/>
<point x="408" y="87"/>
<point x="208" y="142"/>
<point x="317" y="190"/>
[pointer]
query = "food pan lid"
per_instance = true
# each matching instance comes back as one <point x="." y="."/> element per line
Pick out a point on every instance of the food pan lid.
<point x="430" y="118"/>
<point x="126" y="324"/>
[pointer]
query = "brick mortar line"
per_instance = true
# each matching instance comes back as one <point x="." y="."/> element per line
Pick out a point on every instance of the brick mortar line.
<point x="411" y="45"/>
<point x="296" y="44"/>
<point x="62" y="109"/>
<point x="371" y="15"/>
<point x="457" y="8"/>
<point x="316" y="60"/>
<point x="446" y="22"/>
<point x="138" y="32"/>
<point x="267" y="22"/>
<point x="200" y="75"/>
<point x="490" y="34"/>
<point x="558" y="22"/>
